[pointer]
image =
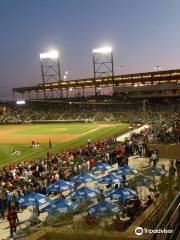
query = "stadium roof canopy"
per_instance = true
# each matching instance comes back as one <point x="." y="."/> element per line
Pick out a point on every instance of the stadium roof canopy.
<point x="146" y="78"/>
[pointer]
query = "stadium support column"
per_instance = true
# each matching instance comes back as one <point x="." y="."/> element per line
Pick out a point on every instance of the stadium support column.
<point x="37" y="95"/>
<point x="144" y="105"/>
<point x="103" y="65"/>
<point x="112" y="65"/>
<point x="94" y="69"/>
<point x="59" y="72"/>
<point x="78" y="93"/>
<point x="13" y="93"/>
<point x="52" y="93"/>
<point x="43" y="78"/>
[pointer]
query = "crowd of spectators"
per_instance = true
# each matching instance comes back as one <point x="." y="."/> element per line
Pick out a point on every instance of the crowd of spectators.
<point x="20" y="178"/>
<point x="34" y="176"/>
<point x="85" y="111"/>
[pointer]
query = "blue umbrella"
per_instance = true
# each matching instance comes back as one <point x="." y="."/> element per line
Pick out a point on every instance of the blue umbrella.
<point x="84" y="178"/>
<point x="60" y="186"/>
<point x="85" y="193"/>
<point x="126" y="170"/>
<point x="122" y="194"/>
<point x="110" y="179"/>
<point x="103" y="209"/>
<point x="155" y="171"/>
<point x="101" y="167"/>
<point x="144" y="181"/>
<point x="61" y="206"/>
<point x="33" y="199"/>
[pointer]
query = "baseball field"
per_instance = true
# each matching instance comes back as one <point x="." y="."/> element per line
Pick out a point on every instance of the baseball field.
<point x="62" y="136"/>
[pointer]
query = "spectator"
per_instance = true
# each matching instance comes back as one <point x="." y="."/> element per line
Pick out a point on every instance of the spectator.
<point x="172" y="169"/>
<point x="12" y="218"/>
<point x="118" y="223"/>
<point x="149" y="201"/>
<point x="153" y="158"/>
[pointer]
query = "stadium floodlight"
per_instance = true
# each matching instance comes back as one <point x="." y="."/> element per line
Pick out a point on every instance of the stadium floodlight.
<point x="50" y="68"/>
<point x="52" y="55"/>
<point x="157" y="67"/>
<point x="103" y="50"/>
<point x="102" y="65"/>
<point x="20" y="102"/>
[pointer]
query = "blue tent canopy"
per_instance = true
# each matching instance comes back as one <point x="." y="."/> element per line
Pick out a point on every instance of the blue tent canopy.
<point x="85" y="193"/>
<point x="84" y="178"/>
<point x="142" y="181"/>
<point x="61" y="206"/>
<point x="101" y="167"/>
<point x="110" y="179"/>
<point x="155" y="171"/>
<point x="122" y="194"/>
<point x="33" y="199"/>
<point x="60" y="186"/>
<point x="126" y="170"/>
<point x="103" y="209"/>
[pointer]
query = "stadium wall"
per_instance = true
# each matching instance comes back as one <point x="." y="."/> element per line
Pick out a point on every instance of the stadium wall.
<point x="49" y="121"/>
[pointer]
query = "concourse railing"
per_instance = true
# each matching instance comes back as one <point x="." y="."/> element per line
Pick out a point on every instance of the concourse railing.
<point x="170" y="222"/>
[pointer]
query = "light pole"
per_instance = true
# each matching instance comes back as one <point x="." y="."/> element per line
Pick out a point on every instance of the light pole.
<point x="50" y="67"/>
<point x="103" y="65"/>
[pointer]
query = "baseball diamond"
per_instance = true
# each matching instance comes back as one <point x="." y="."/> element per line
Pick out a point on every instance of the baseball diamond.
<point x="63" y="137"/>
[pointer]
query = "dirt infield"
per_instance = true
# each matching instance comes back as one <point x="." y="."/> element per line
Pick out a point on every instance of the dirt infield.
<point x="7" y="135"/>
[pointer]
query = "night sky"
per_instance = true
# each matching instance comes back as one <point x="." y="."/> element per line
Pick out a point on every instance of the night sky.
<point x="143" y="33"/>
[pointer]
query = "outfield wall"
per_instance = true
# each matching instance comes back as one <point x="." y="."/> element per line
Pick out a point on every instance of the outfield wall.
<point x="49" y="121"/>
<point x="62" y="121"/>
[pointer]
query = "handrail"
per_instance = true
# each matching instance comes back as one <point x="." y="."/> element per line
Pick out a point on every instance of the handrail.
<point x="160" y="224"/>
<point x="168" y="210"/>
<point x="161" y="204"/>
<point x="172" y="217"/>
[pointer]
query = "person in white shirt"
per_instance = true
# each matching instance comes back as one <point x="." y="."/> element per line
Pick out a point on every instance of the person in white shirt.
<point x="153" y="158"/>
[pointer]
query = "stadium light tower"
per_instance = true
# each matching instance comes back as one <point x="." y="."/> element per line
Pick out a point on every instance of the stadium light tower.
<point x="158" y="68"/>
<point x="103" y="65"/>
<point x="50" y="67"/>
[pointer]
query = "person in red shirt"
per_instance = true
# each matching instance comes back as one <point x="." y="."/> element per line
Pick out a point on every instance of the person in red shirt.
<point x="91" y="163"/>
<point x="12" y="218"/>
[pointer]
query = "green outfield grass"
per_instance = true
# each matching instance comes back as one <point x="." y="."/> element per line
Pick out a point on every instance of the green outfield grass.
<point x="27" y="153"/>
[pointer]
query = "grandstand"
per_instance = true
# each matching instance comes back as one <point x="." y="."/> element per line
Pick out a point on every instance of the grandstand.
<point x="158" y="84"/>
<point x="74" y="133"/>
<point x="83" y="132"/>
